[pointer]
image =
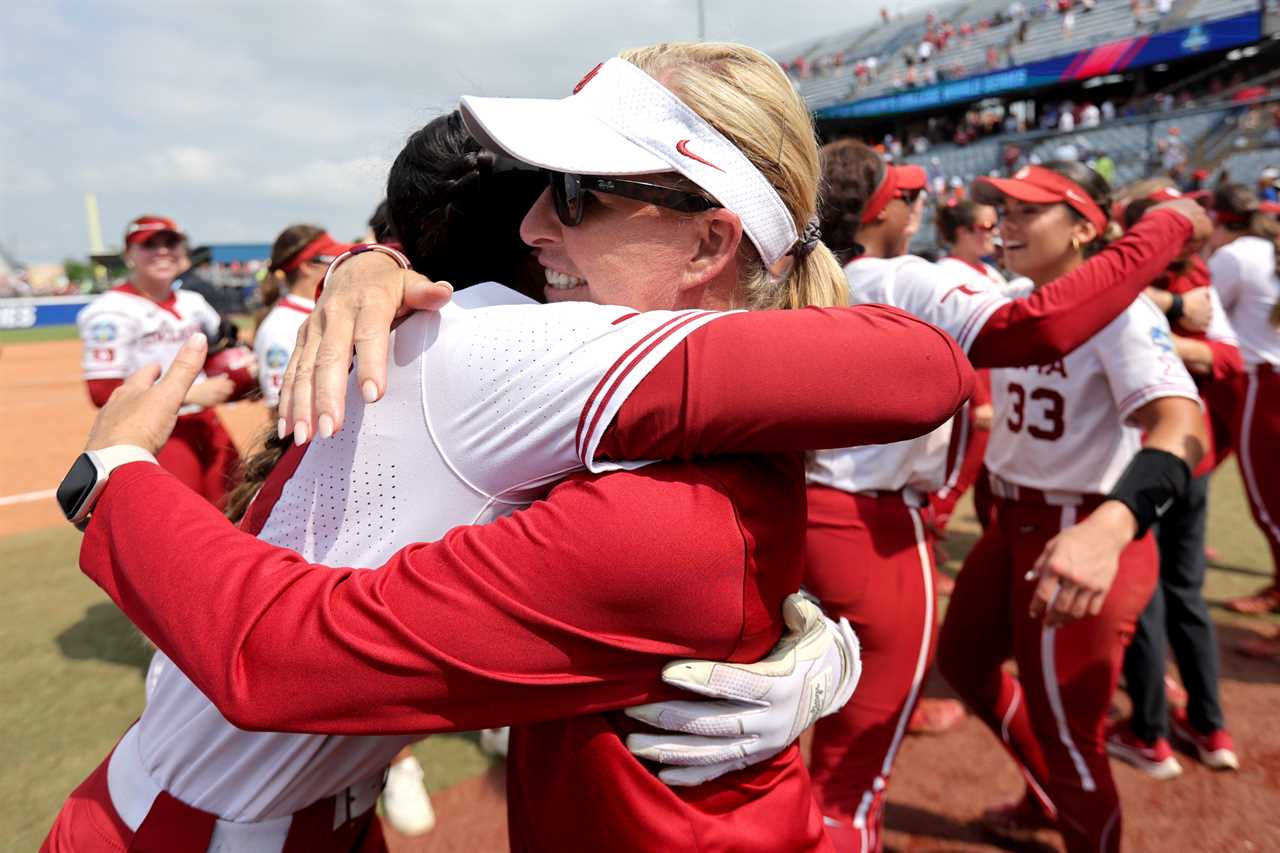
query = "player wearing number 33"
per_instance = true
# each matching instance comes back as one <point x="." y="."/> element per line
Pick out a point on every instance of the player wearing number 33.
<point x="1085" y="454"/>
<point x="866" y="556"/>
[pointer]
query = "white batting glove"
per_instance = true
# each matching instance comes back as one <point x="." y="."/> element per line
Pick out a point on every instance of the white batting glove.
<point x="763" y="707"/>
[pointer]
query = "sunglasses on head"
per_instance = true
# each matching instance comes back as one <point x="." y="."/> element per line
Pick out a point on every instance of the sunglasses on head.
<point x="162" y="241"/>
<point x="568" y="191"/>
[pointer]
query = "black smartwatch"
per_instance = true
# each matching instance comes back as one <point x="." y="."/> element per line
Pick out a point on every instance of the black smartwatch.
<point x="80" y="489"/>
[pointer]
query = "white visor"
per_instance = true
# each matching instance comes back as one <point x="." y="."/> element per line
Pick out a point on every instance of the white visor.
<point x="620" y="121"/>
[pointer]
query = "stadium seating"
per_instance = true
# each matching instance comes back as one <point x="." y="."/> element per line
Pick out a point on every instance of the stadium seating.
<point x="1245" y="166"/>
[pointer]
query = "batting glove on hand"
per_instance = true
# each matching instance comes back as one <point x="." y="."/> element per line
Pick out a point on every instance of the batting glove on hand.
<point x="762" y="707"/>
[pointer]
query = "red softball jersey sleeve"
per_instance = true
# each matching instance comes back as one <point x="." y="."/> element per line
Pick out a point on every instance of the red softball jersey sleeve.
<point x="748" y="383"/>
<point x="570" y="606"/>
<point x="1062" y="315"/>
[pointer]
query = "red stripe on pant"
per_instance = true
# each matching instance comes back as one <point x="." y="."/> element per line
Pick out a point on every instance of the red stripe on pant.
<point x="88" y="823"/>
<point x="1050" y="717"/>
<point x="201" y="454"/>
<point x="1258" y="449"/>
<point x="866" y="559"/>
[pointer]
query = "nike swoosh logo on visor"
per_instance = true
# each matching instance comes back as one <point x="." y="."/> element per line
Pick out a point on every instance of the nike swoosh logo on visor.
<point x="682" y="147"/>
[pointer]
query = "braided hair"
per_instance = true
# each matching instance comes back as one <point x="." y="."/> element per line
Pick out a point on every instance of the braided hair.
<point x="456" y="211"/>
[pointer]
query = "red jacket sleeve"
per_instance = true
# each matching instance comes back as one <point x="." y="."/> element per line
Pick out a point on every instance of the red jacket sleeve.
<point x="567" y="607"/>
<point x="767" y="381"/>
<point x="1227" y="361"/>
<point x="1068" y="311"/>
<point x="100" y="390"/>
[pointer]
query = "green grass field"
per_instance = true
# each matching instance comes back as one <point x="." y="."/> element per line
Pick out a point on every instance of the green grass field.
<point x="73" y="667"/>
<point x="39" y="333"/>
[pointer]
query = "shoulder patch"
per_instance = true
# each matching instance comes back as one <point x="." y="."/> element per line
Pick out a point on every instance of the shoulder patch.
<point x="277" y="357"/>
<point x="1161" y="338"/>
<point x="101" y="332"/>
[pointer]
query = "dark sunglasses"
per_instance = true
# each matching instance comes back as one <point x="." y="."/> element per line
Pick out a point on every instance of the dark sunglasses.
<point x="568" y="191"/>
<point x="908" y="196"/>
<point x="162" y="241"/>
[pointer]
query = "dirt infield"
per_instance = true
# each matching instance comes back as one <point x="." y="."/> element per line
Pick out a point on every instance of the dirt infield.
<point x="65" y="649"/>
<point x="47" y="416"/>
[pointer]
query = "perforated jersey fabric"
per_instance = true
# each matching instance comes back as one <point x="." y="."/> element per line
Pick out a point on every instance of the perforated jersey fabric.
<point x="481" y="413"/>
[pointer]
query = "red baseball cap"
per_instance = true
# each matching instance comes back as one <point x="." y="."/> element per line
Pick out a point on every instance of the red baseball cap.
<point x="323" y="248"/>
<point x="1038" y="185"/>
<point x="147" y="225"/>
<point x="894" y="180"/>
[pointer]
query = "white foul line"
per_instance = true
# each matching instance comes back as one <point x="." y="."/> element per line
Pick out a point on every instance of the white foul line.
<point x="27" y="497"/>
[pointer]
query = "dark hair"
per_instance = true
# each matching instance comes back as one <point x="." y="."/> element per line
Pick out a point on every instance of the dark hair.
<point x="380" y="225"/>
<point x="851" y="171"/>
<point x="457" y="218"/>
<point x="457" y="215"/>
<point x="1097" y="188"/>
<point x="954" y="215"/>
<point x="1241" y="202"/>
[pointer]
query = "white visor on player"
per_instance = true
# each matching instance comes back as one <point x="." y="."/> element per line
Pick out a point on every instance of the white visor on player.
<point x="620" y="121"/>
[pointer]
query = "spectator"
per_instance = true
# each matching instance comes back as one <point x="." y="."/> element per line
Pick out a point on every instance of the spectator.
<point x="1173" y="153"/>
<point x="1163" y="8"/>
<point x="1090" y="115"/>
<point x="1066" y="118"/>
<point x="1104" y="166"/>
<point x="1269" y="184"/>
<point x="1108" y="110"/>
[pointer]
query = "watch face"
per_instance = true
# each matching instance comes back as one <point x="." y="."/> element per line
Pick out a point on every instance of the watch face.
<point x="77" y="486"/>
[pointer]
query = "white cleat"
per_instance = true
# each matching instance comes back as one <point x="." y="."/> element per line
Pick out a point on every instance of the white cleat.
<point x="494" y="741"/>
<point x="405" y="803"/>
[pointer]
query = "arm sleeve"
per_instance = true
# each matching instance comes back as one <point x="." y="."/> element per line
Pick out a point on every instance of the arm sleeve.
<point x="749" y="382"/>
<point x="567" y="607"/>
<point x="100" y="390"/>
<point x="1065" y="313"/>
<point x="107" y="338"/>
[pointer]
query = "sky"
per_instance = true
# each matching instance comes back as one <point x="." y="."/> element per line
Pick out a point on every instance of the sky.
<point x="239" y="118"/>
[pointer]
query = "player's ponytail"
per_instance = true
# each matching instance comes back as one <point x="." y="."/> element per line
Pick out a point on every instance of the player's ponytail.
<point x="253" y="472"/>
<point x="851" y="171"/>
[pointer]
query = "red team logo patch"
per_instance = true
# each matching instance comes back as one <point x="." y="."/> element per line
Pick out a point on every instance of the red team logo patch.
<point x="104" y="355"/>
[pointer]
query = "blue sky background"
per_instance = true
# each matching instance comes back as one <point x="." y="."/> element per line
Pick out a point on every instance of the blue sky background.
<point x="239" y="118"/>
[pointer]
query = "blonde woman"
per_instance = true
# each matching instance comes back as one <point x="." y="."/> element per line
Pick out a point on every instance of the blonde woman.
<point x="564" y="612"/>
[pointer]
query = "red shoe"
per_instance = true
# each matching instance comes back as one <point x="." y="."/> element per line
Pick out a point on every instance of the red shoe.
<point x="1265" y="600"/>
<point x="1266" y="648"/>
<point x="1018" y="822"/>
<point x="1215" y="749"/>
<point x="1154" y="758"/>
<point x="935" y="716"/>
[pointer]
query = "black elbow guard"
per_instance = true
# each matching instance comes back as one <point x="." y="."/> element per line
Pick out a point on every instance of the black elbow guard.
<point x="1150" y="485"/>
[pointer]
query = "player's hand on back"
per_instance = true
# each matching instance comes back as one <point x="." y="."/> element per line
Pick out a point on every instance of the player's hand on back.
<point x="752" y="711"/>
<point x="1076" y="568"/>
<point x="1197" y="310"/>
<point x="142" y="411"/>
<point x="361" y="299"/>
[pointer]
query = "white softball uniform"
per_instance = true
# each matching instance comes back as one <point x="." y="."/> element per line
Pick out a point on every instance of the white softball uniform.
<point x="984" y="269"/>
<point x="123" y="330"/>
<point x="1064" y="427"/>
<point x="274" y="340"/>
<point x="1243" y="274"/>
<point x="960" y="302"/>
<point x="488" y="402"/>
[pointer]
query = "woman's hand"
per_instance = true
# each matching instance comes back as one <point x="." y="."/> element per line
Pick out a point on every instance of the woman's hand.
<point x="361" y="300"/>
<point x="142" y="411"/>
<point x="213" y="391"/>
<point x="1077" y="567"/>
<point x="1189" y="209"/>
<point x="1197" y="310"/>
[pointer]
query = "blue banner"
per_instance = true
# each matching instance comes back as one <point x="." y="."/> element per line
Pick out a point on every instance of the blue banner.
<point x="25" y="313"/>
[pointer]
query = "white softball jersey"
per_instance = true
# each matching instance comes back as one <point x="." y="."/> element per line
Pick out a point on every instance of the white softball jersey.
<point x="1243" y="274"/>
<point x="1065" y="427"/>
<point x="123" y="330"/>
<point x="990" y="273"/>
<point x="488" y="402"/>
<point x="273" y="342"/>
<point x="954" y="298"/>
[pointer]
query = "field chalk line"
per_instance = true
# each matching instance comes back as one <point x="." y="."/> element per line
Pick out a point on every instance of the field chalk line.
<point x="27" y="497"/>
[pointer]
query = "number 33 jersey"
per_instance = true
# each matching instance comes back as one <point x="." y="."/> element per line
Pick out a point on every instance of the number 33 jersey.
<point x="1065" y="426"/>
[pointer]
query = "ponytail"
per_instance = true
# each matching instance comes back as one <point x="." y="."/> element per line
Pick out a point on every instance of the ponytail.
<point x="816" y="279"/>
<point x="253" y="472"/>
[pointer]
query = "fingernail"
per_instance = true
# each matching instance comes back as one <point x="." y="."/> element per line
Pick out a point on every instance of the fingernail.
<point x="370" y="391"/>
<point x="300" y="433"/>
<point x="282" y="428"/>
<point x="325" y="426"/>
<point x="445" y="284"/>
<point x="198" y="338"/>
